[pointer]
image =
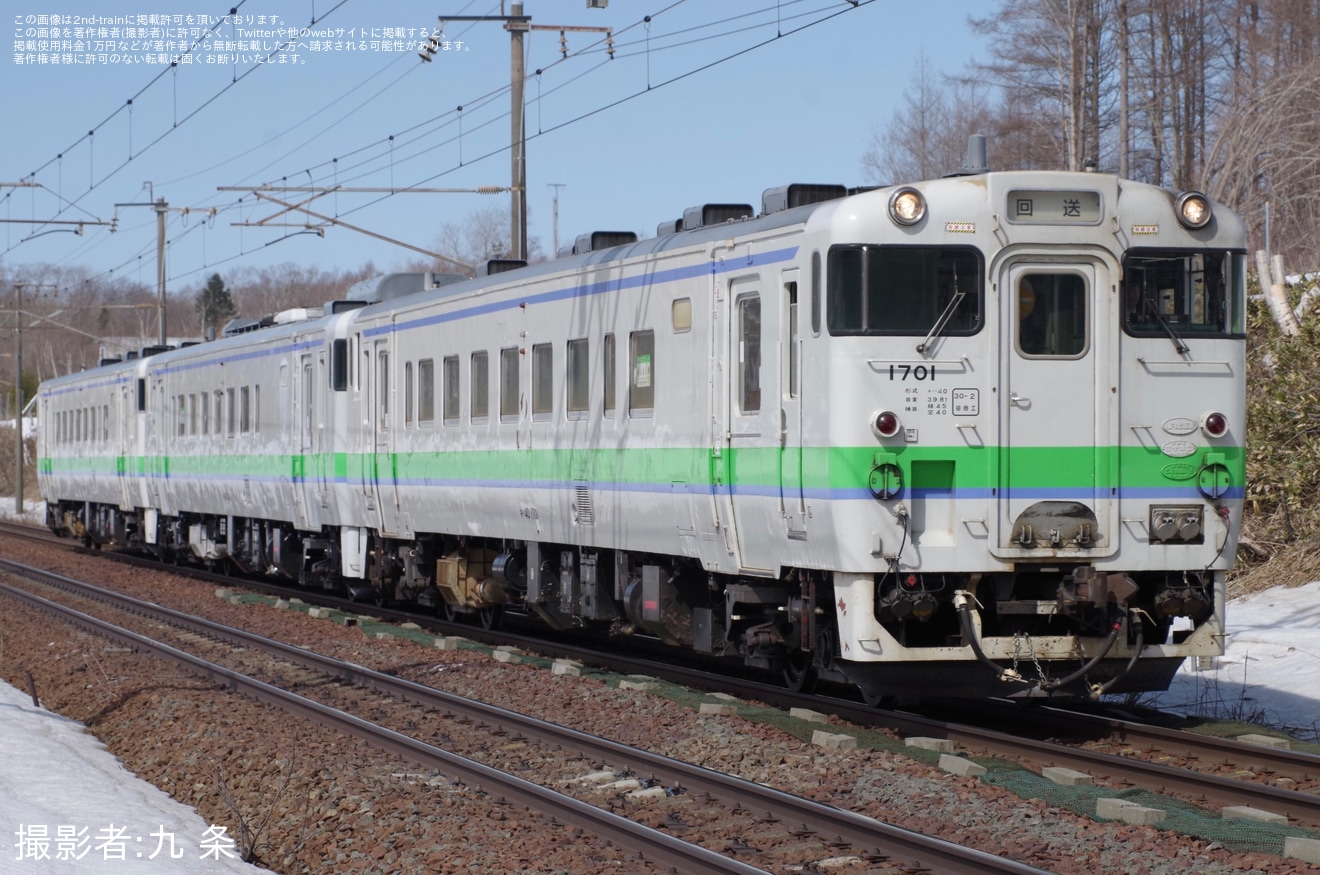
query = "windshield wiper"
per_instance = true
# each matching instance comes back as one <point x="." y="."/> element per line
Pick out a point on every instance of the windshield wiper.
<point x="1178" y="343"/>
<point x="938" y="327"/>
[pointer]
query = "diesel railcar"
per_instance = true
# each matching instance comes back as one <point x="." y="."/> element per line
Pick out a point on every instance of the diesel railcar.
<point x="980" y="435"/>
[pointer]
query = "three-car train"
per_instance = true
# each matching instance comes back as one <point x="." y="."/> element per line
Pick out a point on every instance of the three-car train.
<point x="980" y="435"/>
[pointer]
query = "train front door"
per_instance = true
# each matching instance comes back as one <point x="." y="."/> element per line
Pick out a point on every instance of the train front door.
<point x="1058" y="465"/>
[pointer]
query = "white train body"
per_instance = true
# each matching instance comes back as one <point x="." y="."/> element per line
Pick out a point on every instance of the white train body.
<point x="1003" y="428"/>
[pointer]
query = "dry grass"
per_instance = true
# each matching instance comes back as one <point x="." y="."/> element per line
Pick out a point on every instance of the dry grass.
<point x="1287" y="564"/>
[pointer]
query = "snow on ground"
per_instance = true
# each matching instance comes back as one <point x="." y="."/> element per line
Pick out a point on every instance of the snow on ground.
<point x="1270" y="670"/>
<point x="67" y="805"/>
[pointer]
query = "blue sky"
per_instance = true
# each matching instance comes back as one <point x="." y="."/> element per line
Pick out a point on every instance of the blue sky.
<point x="630" y="147"/>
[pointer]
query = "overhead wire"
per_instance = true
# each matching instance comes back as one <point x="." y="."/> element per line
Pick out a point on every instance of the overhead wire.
<point x="364" y="167"/>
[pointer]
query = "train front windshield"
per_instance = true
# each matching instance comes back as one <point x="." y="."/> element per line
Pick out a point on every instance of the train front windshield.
<point x="1200" y="293"/>
<point x="904" y="290"/>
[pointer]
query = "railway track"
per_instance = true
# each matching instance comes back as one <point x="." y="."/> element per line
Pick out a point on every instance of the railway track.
<point x="876" y="840"/>
<point x="1140" y="765"/>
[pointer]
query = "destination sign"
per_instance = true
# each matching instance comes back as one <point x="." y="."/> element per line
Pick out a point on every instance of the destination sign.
<point x="1036" y="207"/>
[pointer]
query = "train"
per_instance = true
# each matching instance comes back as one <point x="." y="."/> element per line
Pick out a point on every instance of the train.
<point x="980" y="435"/>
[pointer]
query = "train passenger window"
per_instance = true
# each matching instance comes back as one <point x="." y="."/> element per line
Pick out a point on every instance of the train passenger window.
<point x="815" y="294"/>
<point x="192" y="414"/>
<point x="105" y="422"/>
<point x="256" y="408"/>
<point x="1052" y="315"/>
<point x="383" y="390"/>
<point x="408" y="394"/>
<point x="509" y="383"/>
<point x="480" y="385"/>
<point x="218" y="424"/>
<point x="791" y="301"/>
<point x="204" y="427"/>
<point x="1199" y="293"/>
<point x="577" y="369"/>
<point x="229" y="413"/>
<point x="903" y="290"/>
<point x="451" y="399"/>
<point x="749" y="354"/>
<point x="681" y="314"/>
<point x="426" y="391"/>
<point x="245" y="409"/>
<point x="543" y="380"/>
<point x="641" y="372"/>
<point x="339" y="365"/>
<point x="609" y="375"/>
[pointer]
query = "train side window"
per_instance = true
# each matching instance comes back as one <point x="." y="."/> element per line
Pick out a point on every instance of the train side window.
<point x="1052" y="315"/>
<point x="641" y="373"/>
<point x="192" y="414"/>
<point x="105" y="422"/>
<point x="791" y="301"/>
<point x="181" y="417"/>
<point x="426" y="391"/>
<point x="451" y="398"/>
<point x="681" y="314"/>
<point x="339" y="366"/>
<point x="229" y="413"/>
<point x="408" y="402"/>
<point x="749" y="353"/>
<point x="383" y="390"/>
<point x="142" y="395"/>
<point x="256" y="408"/>
<point x="218" y="424"/>
<point x="509" y="383"/>
<point x="815" y="294"/>
<point x="245" y="409"/>
<point x="609" y="376"/>
<point x="543" y="380"/>
<point x="577" y="369"/>
<point x="480" y="385"/>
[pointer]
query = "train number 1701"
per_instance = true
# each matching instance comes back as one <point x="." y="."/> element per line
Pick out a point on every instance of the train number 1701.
<point x="911" y="372"/>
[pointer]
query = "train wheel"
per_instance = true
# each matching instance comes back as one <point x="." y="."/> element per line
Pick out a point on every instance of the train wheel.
<point x="876" y="699"/>
<point x="799" y="673"/>
<point x="492" y="618"/>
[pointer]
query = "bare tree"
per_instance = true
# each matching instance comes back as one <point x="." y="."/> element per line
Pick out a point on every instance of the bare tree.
<point x="927" y="136"/>
<point x="1054" y="63"/>
<point x="482" y="235"/>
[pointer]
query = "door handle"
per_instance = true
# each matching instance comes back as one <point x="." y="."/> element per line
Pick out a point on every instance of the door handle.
<point x="1017" y="400"/>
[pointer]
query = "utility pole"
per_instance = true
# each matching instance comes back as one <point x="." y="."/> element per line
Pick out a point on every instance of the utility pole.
<point x="556" y="186"/>
<point x="161" y="208"/>
<point x="517" y="24"/>
<point x="18" y="392"/>
<point x="18" y="398"/>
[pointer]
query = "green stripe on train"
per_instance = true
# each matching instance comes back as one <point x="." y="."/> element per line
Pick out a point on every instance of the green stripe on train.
<point x="821" y="468"/>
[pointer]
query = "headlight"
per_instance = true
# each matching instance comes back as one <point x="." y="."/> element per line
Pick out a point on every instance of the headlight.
<point x="907" y="206"/>
<point x="1193" y="209"/>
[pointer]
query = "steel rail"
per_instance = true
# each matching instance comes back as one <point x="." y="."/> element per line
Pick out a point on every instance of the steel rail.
<point x="861" y="832"/>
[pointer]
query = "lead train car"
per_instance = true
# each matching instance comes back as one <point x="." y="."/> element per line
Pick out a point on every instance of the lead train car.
<point x="975" y="436"/>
